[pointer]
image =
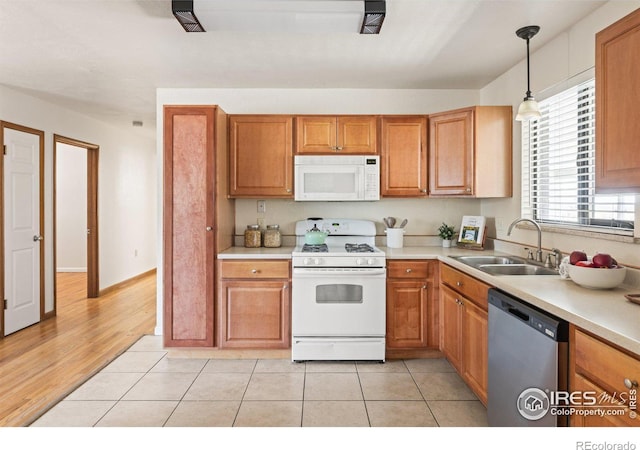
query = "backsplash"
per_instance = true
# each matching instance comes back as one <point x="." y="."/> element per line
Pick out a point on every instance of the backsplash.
<point x="424" y="215"/>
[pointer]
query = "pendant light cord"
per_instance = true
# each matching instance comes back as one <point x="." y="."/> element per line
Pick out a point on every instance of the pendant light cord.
<point x="528" y="72"/>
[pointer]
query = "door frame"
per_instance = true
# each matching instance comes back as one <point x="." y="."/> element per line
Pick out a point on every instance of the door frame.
<point x="93" y="268"/>
<point x="40" y="134"/>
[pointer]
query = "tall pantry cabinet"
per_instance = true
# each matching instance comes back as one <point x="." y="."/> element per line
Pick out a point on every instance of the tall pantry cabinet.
<point x="197" y="218"/>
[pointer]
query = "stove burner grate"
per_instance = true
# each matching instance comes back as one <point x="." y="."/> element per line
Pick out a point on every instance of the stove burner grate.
<point x="315" y="248"/>
<point x="358" y="248"/>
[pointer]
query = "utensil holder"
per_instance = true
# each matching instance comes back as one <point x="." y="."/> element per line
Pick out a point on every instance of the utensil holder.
<point x="395" y="237"/>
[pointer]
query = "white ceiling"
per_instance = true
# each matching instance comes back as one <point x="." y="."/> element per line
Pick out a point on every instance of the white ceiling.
<point x="107" y="57"/>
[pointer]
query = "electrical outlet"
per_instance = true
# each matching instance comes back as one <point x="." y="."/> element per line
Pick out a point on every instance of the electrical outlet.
<point x="262" y="206"/>
<point x="500" y="224"/>
<point x="135" y="253"/>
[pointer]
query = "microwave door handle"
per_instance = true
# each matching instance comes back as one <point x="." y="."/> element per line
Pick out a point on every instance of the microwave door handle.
<point x="360" y="182"/>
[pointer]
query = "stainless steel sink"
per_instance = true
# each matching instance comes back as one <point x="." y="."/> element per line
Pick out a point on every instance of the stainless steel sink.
<point x="480" y="260"/>
<point x="516" y="269"/>
<point x="505" y="265"/>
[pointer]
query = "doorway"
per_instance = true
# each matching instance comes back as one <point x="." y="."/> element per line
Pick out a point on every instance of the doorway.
<point x="75" y="206"/>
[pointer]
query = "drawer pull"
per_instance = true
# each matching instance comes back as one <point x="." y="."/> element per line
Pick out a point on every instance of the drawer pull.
<point x="254" y="270"/>
<point x="630" y="384"/>
<point x="409" y="270"/>
<point x="458" y="283"/>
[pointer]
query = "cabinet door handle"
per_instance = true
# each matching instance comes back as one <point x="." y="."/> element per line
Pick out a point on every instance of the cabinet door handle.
<point x="630" y="384"/>
<point x="468" y="189"/>
<point x="209" y="228"/>
<point x="424" y="287"/>
<point x="286" y="286"/>
<point x="288" y="191"/>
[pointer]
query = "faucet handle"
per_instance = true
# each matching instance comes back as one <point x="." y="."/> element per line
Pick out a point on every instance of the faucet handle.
<point x="529" y="253"/>
<point x="547" y="262"/>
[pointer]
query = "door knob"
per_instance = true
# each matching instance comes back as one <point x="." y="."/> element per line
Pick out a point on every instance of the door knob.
<point x="37" y="238"/>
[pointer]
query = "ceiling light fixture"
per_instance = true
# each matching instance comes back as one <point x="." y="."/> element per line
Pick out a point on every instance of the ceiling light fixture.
<point x="529" y="107"/>
<point x="374" y="12"/>
<point x="183" y="11"/>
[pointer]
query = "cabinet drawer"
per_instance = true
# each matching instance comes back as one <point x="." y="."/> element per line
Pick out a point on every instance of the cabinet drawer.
<point x="466" y="285"/>
<point x="254" y="269"/>
<point x="605" y="365"/>
<point x="408" y="269"/>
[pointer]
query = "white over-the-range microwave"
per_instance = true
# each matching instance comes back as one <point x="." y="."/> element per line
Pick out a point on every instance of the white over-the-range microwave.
<point x="337" y="178"/>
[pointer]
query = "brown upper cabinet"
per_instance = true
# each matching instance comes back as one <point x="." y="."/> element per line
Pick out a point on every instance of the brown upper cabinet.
<point x="354" y="135"/>
<point x="261" y="156"/>
<point x="403" y="156"/>
<point x="617" y="113"/>
<point x="470" y="152"/>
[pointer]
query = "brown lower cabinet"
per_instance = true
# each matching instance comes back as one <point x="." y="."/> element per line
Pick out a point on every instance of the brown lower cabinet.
<point x="464" y="327"/>
<point x="609" y="374"/>
<point x="412" y="314"/>
<point x="254" y="304"/>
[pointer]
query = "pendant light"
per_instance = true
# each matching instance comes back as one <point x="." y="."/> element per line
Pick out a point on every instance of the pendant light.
<point x="529" y="107"/>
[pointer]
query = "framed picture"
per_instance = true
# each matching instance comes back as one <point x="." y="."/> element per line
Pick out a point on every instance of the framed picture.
<point x="472" y="232"/>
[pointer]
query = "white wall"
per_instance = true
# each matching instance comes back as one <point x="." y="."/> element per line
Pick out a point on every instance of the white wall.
<point x="71" y="208"/>
<point x="568" y="56"/>
<point x="126" y="186"/>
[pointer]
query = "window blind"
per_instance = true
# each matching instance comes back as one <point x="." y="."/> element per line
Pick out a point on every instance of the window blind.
<point x="558" y="166"/>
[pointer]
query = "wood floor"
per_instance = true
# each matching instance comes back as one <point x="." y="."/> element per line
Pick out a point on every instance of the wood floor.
<point x="42" y="363"/>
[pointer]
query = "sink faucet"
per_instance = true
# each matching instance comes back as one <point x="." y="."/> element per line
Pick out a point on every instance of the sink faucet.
<point x="539" y="251"/>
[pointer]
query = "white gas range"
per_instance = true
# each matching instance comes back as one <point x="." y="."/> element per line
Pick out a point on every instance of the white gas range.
<point x="338" y="293"/>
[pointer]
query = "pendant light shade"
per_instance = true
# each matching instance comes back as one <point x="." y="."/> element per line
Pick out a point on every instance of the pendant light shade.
<point x="529" y="107"/>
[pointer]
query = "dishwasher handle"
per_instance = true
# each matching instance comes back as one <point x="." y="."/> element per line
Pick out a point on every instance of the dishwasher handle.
<point x="516" y="312"/>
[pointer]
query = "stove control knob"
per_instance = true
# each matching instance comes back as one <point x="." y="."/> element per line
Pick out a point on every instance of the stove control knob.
<point x="360" y="261"/>
<point x="371" y="261"/>
<point x="306" y="261"/>
<point x="317" y="261"/>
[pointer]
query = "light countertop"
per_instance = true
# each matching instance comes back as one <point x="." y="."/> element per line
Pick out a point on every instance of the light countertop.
<point x="605" y="313"/>
<point x="256" y="253"/>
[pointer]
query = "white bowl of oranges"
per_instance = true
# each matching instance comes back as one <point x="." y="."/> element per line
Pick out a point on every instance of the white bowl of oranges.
<point x="598" y="272"/>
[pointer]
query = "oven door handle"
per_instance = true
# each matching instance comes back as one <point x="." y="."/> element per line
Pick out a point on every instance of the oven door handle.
<point x="319" y="272"/>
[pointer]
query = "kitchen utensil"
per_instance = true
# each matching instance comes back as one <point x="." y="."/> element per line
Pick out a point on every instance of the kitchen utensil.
<point x="392" y="221"/>
<point x="315" y="236"/>
<point x="404" y="223"/>
<point x="386" y="221"/>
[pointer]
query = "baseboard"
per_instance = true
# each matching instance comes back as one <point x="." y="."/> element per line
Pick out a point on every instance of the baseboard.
<point x="126" y="283"/>
<point x="71" y="269"/>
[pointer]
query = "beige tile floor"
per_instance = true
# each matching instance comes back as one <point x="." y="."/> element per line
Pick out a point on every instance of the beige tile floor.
<point x="145" y="388"/>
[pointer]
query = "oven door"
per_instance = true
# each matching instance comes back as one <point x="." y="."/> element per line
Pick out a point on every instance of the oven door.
<point x="338" y="302"/>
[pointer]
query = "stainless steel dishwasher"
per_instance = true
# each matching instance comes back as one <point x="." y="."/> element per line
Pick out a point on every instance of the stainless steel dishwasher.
<point x="528" y="358"/>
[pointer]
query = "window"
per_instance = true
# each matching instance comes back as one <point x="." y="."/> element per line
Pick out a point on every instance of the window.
<point x="558" y="167"/>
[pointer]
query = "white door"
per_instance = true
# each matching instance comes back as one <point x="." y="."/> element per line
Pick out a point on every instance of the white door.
<point x="21" y="229"/>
